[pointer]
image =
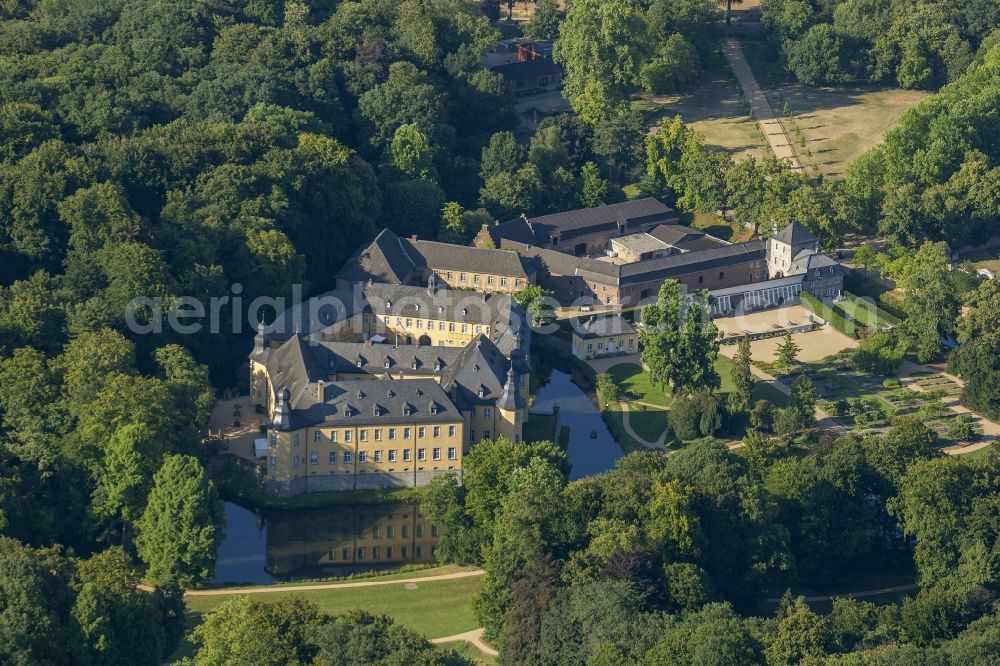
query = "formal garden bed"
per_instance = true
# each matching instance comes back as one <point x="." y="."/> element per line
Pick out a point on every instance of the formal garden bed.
<point x="869" y="402"/>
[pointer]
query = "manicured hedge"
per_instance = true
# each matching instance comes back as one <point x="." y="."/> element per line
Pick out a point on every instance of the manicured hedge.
<point x="880" y="314"/>
<point x="838" y="320"/>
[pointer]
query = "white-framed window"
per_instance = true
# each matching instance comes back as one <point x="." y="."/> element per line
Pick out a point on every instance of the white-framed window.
<point x="318" y="437"/>
<point x="465" y="328"/>
<point x="295" y="439"/>
<point x="475" y="278"/>
<point x="421" y="454"/>
<point x="362" y="456"/>
<point x="489" y="279"/>
<point x="295" y="462"/>
<point x="448" y="274"/>
<point x="378" y="456"/>
<point x="486" y="434"/>
<point x="378" y="434"/>
<point x="452" y="453"/>
<point x="333" y="458"/>
<point x="487" y="413"/>
<point x="503" y="282"/>
<point x="406" y="433"/>
<point x="461" y="277"/>
<point x="392" y="455"/>
<point x="347" y="435"/>
<point x="406" y="455"/>
<point x="333" y="435"/>
<point x="436" y="453"/>
<point x="437" y="431"/>
<point x="472" y="435"/>
<point x="363" y="435"/>
<point x="348" y="456"/>
<point x="421" y="432"/>
<point x="392" y="433"/>
<point x="313" y="458"/>
<point x="451" y="431"/>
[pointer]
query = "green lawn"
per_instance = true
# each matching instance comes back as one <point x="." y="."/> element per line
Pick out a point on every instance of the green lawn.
<point x="435" y="608"/>
<point x="633" y="379"/>
<point x="648" y="424"/>
<point x="765" y="391"/>
<point x="978" y="453"/>
<point x="469" y="652"/>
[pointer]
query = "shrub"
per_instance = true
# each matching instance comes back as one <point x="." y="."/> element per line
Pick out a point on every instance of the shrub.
<point x="684" y="418"/>
<point x="961" y="430"/>
<point x="837" y="320"/>
<point x="891" y="384"/>
<point x="711" y="414"/>
<point x="880" y="353"/>
<point x="762" y="416"/>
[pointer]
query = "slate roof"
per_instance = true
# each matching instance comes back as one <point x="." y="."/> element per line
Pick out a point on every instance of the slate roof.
<point x="807" y="260"/>
<point x="388" y="258"/>
<point x="392" y="259"/>
<point x="588" y="220"/>
<point x="470" y="259"/>
<point x="599" y="327"/>
<point x="386" y="402"/>
<point x="527" y="69"/>
<point x="685" y="238"/>
<point x="795" y="234"/>
<point x="500" y="311"/>
<point x="639" y="214"/>
<point x="602" y="272"/>
<point x="689" y="262"/>
<point x="477" y="376"/>
<point x="470" y="375"/>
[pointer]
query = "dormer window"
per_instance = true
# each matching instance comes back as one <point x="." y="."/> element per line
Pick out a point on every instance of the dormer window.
<point x="360" y="362"/>
<point x="414" y="364"/>
<point x="416" y="307"/>
<point x="378" y="410"/>
<point x="465" y="311"/>
<point x="434" y="408"/>
<point x="438" y="365"/>
<point x="361" y="395"/>
<point x="475" y="368"/>
<point x="388" y="304"/>
<point x="440" y="309"/>
<point x="419" y="392"/>
<point x="482" y="391"/>
<point x="387" y="362"/>
<point x="407" y="410"/>
<point x="390" y="394"/>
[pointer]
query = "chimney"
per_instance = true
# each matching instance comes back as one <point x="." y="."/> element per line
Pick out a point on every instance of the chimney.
<point x="320" y="390"/>
<point x="413" y="237"/>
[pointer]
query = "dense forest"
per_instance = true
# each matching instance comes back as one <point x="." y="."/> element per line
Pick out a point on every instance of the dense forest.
<point x="665" y="560"/>
<point x="234" y="148"/>
<point x="912" y="44"/>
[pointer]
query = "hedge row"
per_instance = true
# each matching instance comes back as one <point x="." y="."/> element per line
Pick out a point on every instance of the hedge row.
<point x="835" y="317"/>
<point x="880" y="314"/>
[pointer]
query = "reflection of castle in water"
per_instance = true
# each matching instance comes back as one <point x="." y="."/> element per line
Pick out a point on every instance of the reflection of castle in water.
<point x="343" y="540"/>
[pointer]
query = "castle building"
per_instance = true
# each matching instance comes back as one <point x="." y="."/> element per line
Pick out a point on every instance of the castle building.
<point x="344" y="415"/>
<point x="394" y="260"/>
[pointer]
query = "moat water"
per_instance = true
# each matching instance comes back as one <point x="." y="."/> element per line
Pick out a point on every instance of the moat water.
<point x="268" y="546"/>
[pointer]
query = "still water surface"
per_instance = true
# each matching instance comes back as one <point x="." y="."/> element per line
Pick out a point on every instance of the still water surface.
<point x="340" y="540"/>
